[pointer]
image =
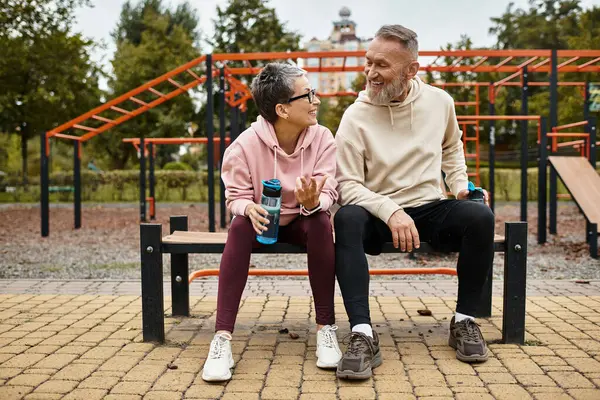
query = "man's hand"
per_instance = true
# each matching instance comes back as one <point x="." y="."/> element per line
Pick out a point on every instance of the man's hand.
<point x="257" y="216"/>
<point x="307" y="192"/>
<point x="464" y="195"/>
<point x="404" y="231"/>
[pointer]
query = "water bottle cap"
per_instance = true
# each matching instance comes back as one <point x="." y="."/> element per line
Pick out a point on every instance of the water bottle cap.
<point x="271" y="188"/>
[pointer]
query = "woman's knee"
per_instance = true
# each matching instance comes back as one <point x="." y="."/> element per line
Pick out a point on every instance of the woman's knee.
<point x="319" y="223"/>
<point x="241" y="227"/>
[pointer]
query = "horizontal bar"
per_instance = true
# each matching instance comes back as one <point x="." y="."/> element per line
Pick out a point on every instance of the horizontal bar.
<point x="554" y="134"/>
<point x="174" y="82"/>
<point x="84" y="128"/>
<point x="567" y="126"/>
<point x="508" y="78"/>
<point x="500" y="117"/>
<point x="193" y="74"/>
<point x="201" y="140"/>
<point x="569" y="61"/>
<point x="117" y="109"/>
<point x="465" y="103"/>
<point x="594" y="61"/>
<point x="99" y="118"/>
<point x="156" y="92"/>
<point x="507" y="59"/>
<point x="136" y="100"/>
<point x="71" y="137"/>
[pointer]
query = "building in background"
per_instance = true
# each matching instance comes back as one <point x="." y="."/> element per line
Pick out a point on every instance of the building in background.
<point x="343" y="37"/>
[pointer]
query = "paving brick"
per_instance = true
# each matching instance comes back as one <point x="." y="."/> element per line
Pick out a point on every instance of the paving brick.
<point x="423" y="391"/>
<point x="56" y="386"/>
<point x="455" y="367"/>
<point x="279" y="393"/>
<point x="28" y="380"/>
<point x="396" y="396"/>
<point x="508" y="392"/>
<point x="393" y="386"/>
<point x="55" y="361"/>
<point x="162" y="395"/>
<point x="464" y="380"/>
<point x="174" y="381"/>
<point x="248" y="386"/>
<point x="43" y="396"/>
<point x="119" y="363"/>
<point x="587" y="364"/>
<point x="204" y="391"/>
<point x="570" y="380"/>
<point x="86" y="394"/>
<point x="139" y="388"/>
<point x="501" y="377"/>
<point x="97" y="382"/>
<point x="585" y="394"/>
<point x="357" y="393"/>
<point x="240" y="396"/>
<point x="23" y="360"/>
<point x="75" y="372"/>
<point x="534" y="380"/>
<point x="473" y="396"/>
<point x="318" y="387"/>
<point x="252" y="366"/>
<point x="145" y="372"/>
<point x="426" y="378"/>
<point x="522" y="366"/>
<point x="122" y="397"/>
<point x="100" y="353"/>
<point x="14" y="392"/>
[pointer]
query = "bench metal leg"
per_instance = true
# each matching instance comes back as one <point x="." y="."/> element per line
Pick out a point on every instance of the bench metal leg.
<point x="180" y="290"/>
<point x="484" y="310"/>
<point x="153" y="322"/>
<point x="515" y="279"/>
<point x="593" y="240"/>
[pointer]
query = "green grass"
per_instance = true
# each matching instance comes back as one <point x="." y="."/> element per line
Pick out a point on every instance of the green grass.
<point x="117" y="266"/>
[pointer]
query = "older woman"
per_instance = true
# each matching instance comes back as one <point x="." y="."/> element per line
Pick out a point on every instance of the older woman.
<point x="285" y="143"/>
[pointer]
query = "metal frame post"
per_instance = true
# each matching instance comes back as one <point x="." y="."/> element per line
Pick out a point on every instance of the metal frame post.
<point x="524" y="143"/>
<point x="180" y="290"/>
<point x="151" y="180"/>
<point x="222" y="207"/>
<point x="243" y="115"/>
<point x="44" y="186"/>
<point x="234" y="125"/>
<point x="142" y="180"/>
<point x="592" y="229"/>
<point x="153" y="322"/>
<point x="515" y="283"/>
<point x="553" y="123"/>
<point x="492" y="150"/>
<point x="77" y="183"/>
<point x="542" y="167"/>
<point x="484" y="308"/>
<point x="210" y="145"/>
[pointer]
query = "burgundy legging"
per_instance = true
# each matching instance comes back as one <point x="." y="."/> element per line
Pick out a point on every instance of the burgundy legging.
<point x="314" y="232"/>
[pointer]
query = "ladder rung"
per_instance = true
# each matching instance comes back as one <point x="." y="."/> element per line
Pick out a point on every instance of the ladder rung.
<point x="471" y="155"/>
<point x="84" y="128"/>
<point x="465" y="103"/>
<point x="196" y="77"/>
<point x="470" y="139"/>
<point x="156" y="92"/>
<point x="472" y="174"/>
<point x="174" y="82"/>
<point x="136" y="100"/>
<point x="117" y="109"/>
<point x="99" y="118"/>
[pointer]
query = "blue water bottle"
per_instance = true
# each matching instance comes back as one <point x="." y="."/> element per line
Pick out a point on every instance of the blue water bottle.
<point x="271" y="202"/>
<point x="476" y="193"/>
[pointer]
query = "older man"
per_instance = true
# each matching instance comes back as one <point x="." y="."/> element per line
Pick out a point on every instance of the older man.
<point x="393" y="143"/>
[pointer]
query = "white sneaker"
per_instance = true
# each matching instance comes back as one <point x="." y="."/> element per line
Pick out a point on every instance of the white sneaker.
<point x="328" y="350"/>
<point x="220" y="360"/>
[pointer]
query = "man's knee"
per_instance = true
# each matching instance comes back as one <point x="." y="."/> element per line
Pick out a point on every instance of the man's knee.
<point x="481" y="218"/>
<point x="350" y="216"/>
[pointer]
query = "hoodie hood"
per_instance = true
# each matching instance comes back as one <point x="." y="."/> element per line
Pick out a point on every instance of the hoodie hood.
<point x="415" y="89"/>
<point x="266" y="133"/>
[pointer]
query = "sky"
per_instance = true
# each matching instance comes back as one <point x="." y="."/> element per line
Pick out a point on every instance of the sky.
<point x="436" y="22"/>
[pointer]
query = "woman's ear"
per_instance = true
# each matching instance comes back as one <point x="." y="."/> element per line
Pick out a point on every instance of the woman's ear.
<point x="281" y="111"/>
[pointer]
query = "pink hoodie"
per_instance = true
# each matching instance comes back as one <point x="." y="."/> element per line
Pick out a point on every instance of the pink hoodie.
<point x="255" y="156"/>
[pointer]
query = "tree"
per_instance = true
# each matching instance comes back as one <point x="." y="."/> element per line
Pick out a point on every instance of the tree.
<point x="46" y="75"/>
<point x="246" y="26"/>
<point x="150" y="40"/>
<point x="331" y="112"/>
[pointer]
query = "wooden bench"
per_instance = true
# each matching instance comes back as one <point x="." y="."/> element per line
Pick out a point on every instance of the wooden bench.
<point x="583" y="182"/>
<point x="180" y="243"/>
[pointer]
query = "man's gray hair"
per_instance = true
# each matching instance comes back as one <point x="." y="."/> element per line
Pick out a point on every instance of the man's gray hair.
<point x="399" y="33"/>
<point x="274" y="85"/>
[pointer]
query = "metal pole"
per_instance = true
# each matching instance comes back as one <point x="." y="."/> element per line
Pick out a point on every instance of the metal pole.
<point x="243" y="120"/>
<point x="44" y="183"/>
<point x="180" y="289"/>
<point x="222" y="208"/>
<point x="542" y="183"/>
<point x="142" y="180"/>
<point x="210" y="145"/>
<point x="590" y="229"/>
<point x="515" y="283"/>
<point x="524" y="144"/>
<point x="492" y="147"/>
<point x="153" y="307"/>
<point x="151" y="180"/>
<point x="77" y="182"/>
<point x="234" y="126"/>
<point x="553" y="123"/>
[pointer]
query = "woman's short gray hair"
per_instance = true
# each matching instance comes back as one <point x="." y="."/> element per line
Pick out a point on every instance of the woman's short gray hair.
<point x="274" y="85"/>
<point x="399" y="33"/>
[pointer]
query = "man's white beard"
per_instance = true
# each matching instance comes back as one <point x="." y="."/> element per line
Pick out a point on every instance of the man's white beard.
<point x="389" y="92"/>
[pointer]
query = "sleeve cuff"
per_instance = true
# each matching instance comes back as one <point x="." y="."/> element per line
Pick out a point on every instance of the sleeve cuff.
<point x="326" y="201"/>
<point x="387" y="209"/>
<point x="459" y="186"/>
<point x="238" y="207"/>
<point x="306" y="212"/>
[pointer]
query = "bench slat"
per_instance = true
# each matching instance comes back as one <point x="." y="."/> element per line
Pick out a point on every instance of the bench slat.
<point x="189" y="237"/>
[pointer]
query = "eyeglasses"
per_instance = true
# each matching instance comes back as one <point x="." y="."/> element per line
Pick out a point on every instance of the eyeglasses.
<point x="310" y="95"/>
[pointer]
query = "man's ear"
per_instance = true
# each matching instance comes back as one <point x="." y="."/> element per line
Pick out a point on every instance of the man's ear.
<point x="281" y="111"/>
<point x="413" y="69"/>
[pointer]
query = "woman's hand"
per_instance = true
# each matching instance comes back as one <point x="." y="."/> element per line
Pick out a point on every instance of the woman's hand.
<point x="307" y="192"/>
<point x="257" y="216"/>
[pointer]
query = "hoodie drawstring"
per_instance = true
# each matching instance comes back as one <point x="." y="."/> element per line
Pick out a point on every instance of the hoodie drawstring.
<point x="275" y="168"/>
<point x="301" y="161"/>
<point x="391" y="114"/>
<point x="411" y="115"/>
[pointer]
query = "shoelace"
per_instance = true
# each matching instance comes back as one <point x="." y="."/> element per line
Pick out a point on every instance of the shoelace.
<point x="469" y="330"/>
<point x="357" y="343"/>
<point x="217" y="348"/>
<point x="328" y="336"/>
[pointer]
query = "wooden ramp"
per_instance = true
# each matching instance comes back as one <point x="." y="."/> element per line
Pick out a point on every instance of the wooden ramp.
<point x="582" y="181"/>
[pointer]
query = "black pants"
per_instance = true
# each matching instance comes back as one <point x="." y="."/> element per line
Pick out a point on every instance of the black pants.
<point x="448" y="225"/>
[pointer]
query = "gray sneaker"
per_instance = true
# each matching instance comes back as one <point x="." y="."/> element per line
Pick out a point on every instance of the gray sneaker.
<point x="361" y="356"/>
<point x="467" y="340"/>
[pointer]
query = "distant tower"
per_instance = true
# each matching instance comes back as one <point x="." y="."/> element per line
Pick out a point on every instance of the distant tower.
<point x="345" y="29"/>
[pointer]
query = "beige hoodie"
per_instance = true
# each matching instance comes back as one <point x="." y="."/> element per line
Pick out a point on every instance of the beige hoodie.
<point x="391" y="157"/>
